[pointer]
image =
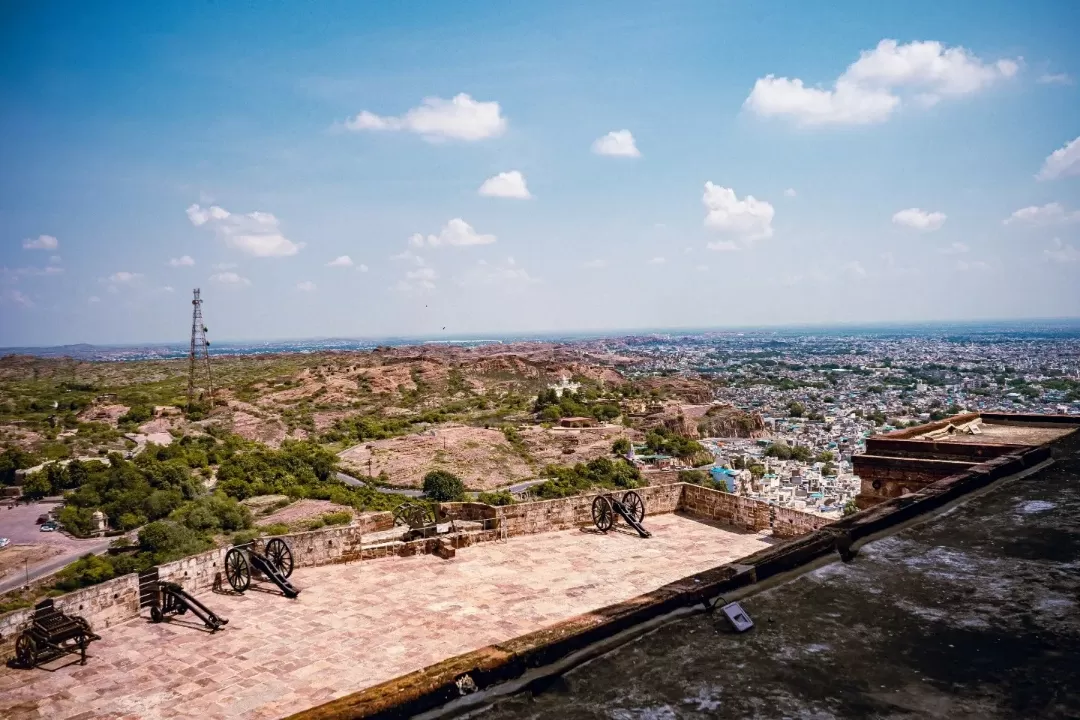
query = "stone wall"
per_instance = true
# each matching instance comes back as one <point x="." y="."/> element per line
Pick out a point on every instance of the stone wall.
<point x="724" y="507"/>
<point x="571" y="512"/>
<point x="788" y="523"/>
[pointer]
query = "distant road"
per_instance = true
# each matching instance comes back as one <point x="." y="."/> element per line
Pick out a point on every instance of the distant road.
<point x="18" y="579"/>
<point x="354" y="482"/>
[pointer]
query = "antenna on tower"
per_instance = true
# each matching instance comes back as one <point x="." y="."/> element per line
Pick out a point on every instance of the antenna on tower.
<point x="200" y="352"/>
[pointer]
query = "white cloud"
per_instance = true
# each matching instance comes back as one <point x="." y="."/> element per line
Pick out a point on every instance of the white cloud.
<point x="701" y="268"/>
<point x="505" y="273"/>
<point x="419" y="280"/>
<point x="15" y="297"/>
<point x="230" y="278"/>
<point x="957" y="248"/>
<point x="41" y="242"/>
<point x="255" y="233"/>
<point x="167" y="288"/>
<point x="854" y="268"/>
<point x="224" y="266"/>
<point x="1061" y="252"/>
<point x="867" y="92"/>
<point x="461" y="118"/>
<point x="1063" y="162"/>
<point x="744" y="220"/>
<point x="340" y="261"/>
<point x="920" y="220"/>
<point x="657" y="261"/>
<point x="123" y="277"/>
<point x="506" y="185"/>
<point x="361" y="268"/>
<point x="594" y="264"/>
<point x="723" y="245"/>
<point x="1042" y="215"/>
<point x="93" y="299"/>
<point x="305" y="286"/>
<point x="617" y="143"/>
<point x="790" y="192"/>
<point x="408" y="255"/>
<point x="1054" y="79"/>
<point x="182" y="261"/>
<point x="54" y="259"/>
<point x="974" y="265"/>
<point x="457" y="232"/>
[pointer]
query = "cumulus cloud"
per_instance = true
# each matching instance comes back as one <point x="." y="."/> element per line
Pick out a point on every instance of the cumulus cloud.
<point x="340" y="261"/>
<point x="1061" y="252"/>
<point x="790" y="192"/>
<point x="182" y="261"/>
<point x="920" y="220"/>
<point x="230" y="278"/>
<point x="507" y="273"/>
<point x="54" y="259"/>
<point x="1063" y="162"/>
<point x="460" y="118"/>
<point x="457" y="233"/>
<point x="255" y="233"/>
<point x="1054" y="79"/>
<point x="224" y="266"/>
<point x="744" y="221"/>
<point x="420" y="280"/>
<point x="957" y="248"/>
<point x="869" y="90"/>
<point x="15" y="297"/>
<point x="123" y="277"/>
<point x="409" y="256"/>
<point x="1043" y="215"/>
<point x="617" y="143"/>
<point x="854" y="268"/>
<point x="657" y="261"/>
<point x="305" y="286"/>
<point x="41" y="242"/>
<point x="506" y="185"/>
<point x="594" y="264"/>
<point x="93" y="299"/>
<point x="167" y="288"/>
<point x="361" y="268"/>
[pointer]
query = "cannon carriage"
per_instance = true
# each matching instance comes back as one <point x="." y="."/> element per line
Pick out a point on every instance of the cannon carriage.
<point x="274" y="561"/>
<point x="607" y="509"/>
<point x="418" y="517"/>
<point x="52" y="634"/>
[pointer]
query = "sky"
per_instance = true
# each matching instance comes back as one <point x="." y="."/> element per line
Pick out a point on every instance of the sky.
<point x="344" y="169"/>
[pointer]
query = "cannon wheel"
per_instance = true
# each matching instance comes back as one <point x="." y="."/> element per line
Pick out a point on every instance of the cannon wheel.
<point x="602" y="514"/>
<point x="26" y="650"/>
<point x="413" y="514"/>
<point x="156" y="614"/>
<point x="237" y="570"/>
<point x="635" y="506"/>
<point x="280" y="554"/>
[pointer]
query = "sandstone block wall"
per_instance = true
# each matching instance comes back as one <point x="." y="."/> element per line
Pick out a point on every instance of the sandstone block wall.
<point x="723" y="507"/>
<point x="571" y="512"/>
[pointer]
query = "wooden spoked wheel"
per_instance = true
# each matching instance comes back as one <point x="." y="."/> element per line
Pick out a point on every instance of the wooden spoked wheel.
<point x="237" y="570"/>
<point x="413" y="514"/>
<point x="602" y="514"/>
<point x="635" y="506"/>
<point x="26" y="650"/>
<point x="156" y="614"/>
<point x="280" y="554"/>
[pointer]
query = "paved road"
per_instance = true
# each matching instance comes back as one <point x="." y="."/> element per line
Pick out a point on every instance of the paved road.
<point x="19" y="525"/>
<point x="353" y="482"/>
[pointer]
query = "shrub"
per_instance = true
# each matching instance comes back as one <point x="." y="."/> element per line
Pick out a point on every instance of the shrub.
<point x="275" y="529"/>
<point x="502" y="497"/>
<point x="621" y="446"/>
<point x="244" y="536"/>
<point x="316" y="524"/>
<point x="695" y="477"/>
<point x="337" y="518"/>
<point x="444" y="486"/>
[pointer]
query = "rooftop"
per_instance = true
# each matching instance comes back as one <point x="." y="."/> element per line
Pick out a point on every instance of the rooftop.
<point x="360" y="624"/>
<point x="970" y="613"/>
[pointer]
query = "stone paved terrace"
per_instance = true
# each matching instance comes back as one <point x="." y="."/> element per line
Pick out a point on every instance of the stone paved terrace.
<point x="361" y="624"/>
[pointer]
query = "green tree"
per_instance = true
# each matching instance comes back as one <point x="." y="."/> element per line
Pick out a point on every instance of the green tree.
<point x="37" y="485"/>
<point x="621" y="446"/>
<point x="850" y="508"/>
<point x="444" y="486"/>
<point x="796" y="409"/>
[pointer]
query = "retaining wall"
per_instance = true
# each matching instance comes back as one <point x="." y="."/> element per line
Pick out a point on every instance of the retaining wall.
<point x="571" y="512"/>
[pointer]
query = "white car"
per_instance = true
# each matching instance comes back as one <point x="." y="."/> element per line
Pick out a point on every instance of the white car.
<point x="4" y="542"/>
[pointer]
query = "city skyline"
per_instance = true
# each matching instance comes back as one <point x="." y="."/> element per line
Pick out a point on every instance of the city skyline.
<point x="441" y="172"/>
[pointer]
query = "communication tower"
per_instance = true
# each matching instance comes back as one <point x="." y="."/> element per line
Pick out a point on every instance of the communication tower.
<point x="199" y="355"/>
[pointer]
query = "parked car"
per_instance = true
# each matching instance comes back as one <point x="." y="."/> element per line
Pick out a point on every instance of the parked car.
<point x="4" y="542"/>
<point x="50" y="527"/>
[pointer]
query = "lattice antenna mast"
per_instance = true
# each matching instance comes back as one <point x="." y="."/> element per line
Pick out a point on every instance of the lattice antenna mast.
<point x="200" y="351"/>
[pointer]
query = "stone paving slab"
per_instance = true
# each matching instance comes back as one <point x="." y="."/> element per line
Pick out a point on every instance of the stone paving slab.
<point x="361" y="624"/>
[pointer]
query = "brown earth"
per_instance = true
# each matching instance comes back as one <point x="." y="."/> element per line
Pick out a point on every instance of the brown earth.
<point x="103" y="412"/>
<point x="697" y="421"/>
<point x="690" y="390"/>
<point x="302" y="511"/>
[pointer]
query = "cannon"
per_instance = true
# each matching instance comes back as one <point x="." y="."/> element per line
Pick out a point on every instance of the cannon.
<point x="172" y="599"/>
<point x="275" y="563"/>
<point x="418" y="517"/>
<point x="607" y="509"/>
<point x="52" y="634"/>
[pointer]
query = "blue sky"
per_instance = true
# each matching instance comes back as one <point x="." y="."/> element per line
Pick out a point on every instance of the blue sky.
<point x="650" y="164"/>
